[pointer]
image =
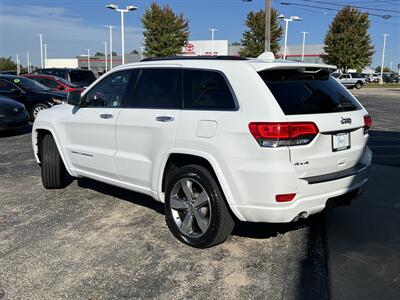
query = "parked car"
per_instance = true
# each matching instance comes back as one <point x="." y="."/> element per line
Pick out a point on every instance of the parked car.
<point x="390" y="78"/>
<point x="33" y="95"/>
<point x="79" y="77"/>
<point x="375" y="77"/>
<point x="351" y="80"/>
<point x="12" y="114"/>
<point x="214" y="138"/>
<point x="55" y="83"/>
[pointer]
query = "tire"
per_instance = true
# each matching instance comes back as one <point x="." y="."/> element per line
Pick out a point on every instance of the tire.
<point x="358" y="85"/>
<point x="53" y="169"/>
<point x="36" y="108"/>
<point x="211" y="221"/>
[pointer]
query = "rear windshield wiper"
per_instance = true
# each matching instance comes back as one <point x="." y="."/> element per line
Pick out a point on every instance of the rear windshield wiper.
<point x="345" y="107"/>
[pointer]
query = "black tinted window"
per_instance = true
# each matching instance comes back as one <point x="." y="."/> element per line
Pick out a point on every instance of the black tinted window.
<point x="84" y="76"/>
<point x="206" y="90"/>
<point x="54" y="72"/>
<point x="308" y="93"/>
<point x="157" y="88"/>
<point x="110" y="91"/>
<point x="6" y="86"/>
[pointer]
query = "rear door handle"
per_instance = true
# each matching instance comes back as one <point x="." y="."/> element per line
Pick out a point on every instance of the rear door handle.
<point x="106" y="116"/>
<point x="164" y="119"/>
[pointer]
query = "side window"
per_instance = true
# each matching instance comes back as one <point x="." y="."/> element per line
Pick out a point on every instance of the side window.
<point x="49" y="83"/>
<point x="6" y="86"/>
<point x="110" y="91"/>
<point x="206" y="90"/>
<point x="157" y="88"/>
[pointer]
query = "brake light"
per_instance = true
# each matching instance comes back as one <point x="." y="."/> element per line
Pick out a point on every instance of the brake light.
<point x="284" y="197"/>
<point x="367" y="123"/>
<point x="283" y="134"/>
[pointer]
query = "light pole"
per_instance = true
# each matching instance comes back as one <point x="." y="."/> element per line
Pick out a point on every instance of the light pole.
<point x="105" y="55"/>
<point x="267" y="43"/>
<point x="212" y="39"/>
<point x="28" y="61"/>
<point x="88" y="58"/>
<point x="141" y="52"/>
<point x="383" y="57"/>
<point x="111" y="48"/>
<point x="45" y="54"/>
<point x="292" y="18"/>
<point x="304" y="44"/>
<point x="18" y="66"/>
<point x="122" y="11"/>
<point x="41" y="49"/>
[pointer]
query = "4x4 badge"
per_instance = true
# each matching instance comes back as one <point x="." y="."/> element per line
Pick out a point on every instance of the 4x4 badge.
<point x="345" y="120"/>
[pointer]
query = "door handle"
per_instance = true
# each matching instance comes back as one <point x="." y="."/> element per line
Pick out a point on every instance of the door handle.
<point x="106" y="116"/>
<point x="164" y="119"/>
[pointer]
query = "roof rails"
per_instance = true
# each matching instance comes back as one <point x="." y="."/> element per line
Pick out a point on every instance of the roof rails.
<point x="218" y="57"/>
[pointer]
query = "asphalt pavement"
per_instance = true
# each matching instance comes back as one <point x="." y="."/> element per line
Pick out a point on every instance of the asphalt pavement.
<point x="92" y="240"/>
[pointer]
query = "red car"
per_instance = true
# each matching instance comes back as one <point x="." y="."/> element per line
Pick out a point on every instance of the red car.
<point x="54" y="82"/>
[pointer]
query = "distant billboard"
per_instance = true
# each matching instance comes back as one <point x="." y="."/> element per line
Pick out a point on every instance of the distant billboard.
<point x="61" y="63"/>
<point x="195" y="48"/>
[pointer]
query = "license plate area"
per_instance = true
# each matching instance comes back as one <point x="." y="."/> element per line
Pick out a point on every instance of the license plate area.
<point x="341" y="141"/>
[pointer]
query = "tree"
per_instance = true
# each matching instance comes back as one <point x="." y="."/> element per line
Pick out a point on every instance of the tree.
<point x="165" y="33"/>
<point x="253" y="40"/>
<point x="134" y="51"/>
<point x="347" y="42"/>
<point x="7" y="64"/>
<point x="385" y="69"/>
<point x="99" y="53"/>
<point x="114" y="53"/>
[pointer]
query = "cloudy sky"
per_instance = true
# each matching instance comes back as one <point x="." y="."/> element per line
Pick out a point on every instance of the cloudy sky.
<point x="72" y="26"/>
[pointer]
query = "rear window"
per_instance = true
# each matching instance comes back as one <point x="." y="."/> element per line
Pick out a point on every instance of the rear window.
<point x="84" y="76"/>
<point x="299" y="92"/>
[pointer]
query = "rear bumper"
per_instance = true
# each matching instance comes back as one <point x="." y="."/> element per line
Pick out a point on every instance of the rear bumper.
<point x="311" y="197"/>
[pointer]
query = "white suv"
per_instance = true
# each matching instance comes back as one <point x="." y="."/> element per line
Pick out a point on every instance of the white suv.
<point x="214" y="139"/>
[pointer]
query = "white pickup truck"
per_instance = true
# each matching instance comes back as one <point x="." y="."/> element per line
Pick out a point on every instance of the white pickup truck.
<point x="350" y="80"/>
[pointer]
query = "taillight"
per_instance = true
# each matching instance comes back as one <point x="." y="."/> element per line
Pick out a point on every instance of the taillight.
<point x="283" y="134"/>
<point x="284" y="197"/>
<point x="367" y="123"/>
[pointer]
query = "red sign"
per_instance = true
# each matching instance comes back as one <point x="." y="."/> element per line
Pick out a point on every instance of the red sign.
<point x="189" y="47"/>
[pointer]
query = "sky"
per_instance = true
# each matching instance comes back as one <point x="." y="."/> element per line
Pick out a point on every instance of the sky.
<point x="72" y="26"/>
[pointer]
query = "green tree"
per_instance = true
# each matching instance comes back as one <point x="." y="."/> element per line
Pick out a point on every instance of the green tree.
<point x="385" y="69"/>
<point x="7" y="64"/>
<point x="347" y="42"/>
<point x="165" y="33"/>
<point x="99" y="53"/>
<point x="134" y="51"/>
<point x="253" y="39"/>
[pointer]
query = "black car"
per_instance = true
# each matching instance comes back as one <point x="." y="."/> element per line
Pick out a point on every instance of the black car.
<point x="32" y="94"/>
<point x="79" y="77"/>
<point x="12" y="114"/>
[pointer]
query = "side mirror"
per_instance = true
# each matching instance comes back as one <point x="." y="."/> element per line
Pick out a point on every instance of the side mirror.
<point x="74" y="98"/>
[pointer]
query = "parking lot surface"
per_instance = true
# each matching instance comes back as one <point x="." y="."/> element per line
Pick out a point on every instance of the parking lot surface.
<point x="92" y="240"/>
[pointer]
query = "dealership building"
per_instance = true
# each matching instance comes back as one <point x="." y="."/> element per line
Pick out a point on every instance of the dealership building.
<point x="312" y="54"/>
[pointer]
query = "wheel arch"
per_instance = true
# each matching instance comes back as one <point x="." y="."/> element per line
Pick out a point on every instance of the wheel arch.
<point x="179" y="158"/>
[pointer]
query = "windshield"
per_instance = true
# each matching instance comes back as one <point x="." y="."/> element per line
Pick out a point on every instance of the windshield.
<point x="66" y="82"/>
<point x="300" y="92"/>
<point x="82" y="76"/>
<point x="30" y="85"/>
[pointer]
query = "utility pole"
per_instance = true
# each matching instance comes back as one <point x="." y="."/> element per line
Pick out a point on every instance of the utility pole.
<point x="212" y="39"/>
<point x="88" y="58"/>
<point x="18" y="66"/>
<point x="41" y="49"/>
<point x="304" y="44"/>
<point x="383" y="57"/>
<point x="267" y="46"/>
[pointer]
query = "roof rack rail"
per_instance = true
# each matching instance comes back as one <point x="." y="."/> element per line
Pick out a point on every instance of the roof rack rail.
<point x="218" y="57"/>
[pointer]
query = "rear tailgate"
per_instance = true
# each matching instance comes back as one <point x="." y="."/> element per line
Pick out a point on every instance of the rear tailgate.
<point x="312" y="95"/>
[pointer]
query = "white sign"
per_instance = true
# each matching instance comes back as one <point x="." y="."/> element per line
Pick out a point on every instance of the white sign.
<point x="195" y="48"/>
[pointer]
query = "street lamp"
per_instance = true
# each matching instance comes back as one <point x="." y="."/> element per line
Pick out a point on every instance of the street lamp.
<point x="41" y="49"/>
<point x="111" y="47"/>
<point x="212" y="39"/>
<point x="122" y="11"/>
<point x="28" y="61"/>
<point x="105" y="56"/>
<point x="292" y="18"/>
<point x="383" y="57"/>
<point x="45" y="54"/>
<point x="304" y="44"/>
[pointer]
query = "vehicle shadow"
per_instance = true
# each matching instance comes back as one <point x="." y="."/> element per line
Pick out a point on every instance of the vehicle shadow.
<point x="16" y="132"/>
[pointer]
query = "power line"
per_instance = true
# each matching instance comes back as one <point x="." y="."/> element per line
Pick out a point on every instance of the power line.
<point x="359" y="7"/>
